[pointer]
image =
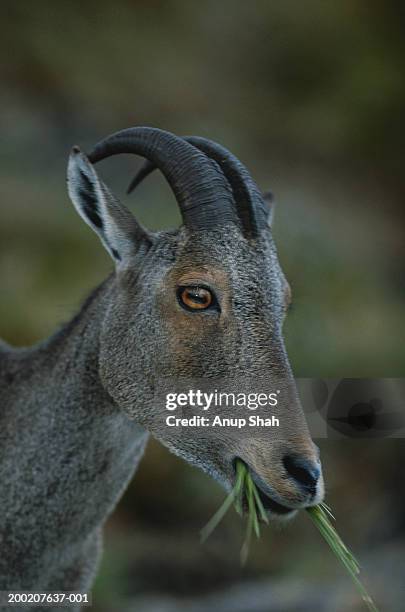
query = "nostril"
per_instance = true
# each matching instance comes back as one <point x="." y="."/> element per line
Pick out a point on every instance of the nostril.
<point x="305" y="472"/>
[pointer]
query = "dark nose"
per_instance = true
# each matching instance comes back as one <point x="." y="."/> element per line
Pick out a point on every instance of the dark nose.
<point x="305" y="472"/>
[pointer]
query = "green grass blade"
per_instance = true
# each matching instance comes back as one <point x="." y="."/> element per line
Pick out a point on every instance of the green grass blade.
<point x="218" y="516"/>
<point x="260" y="507"/>
<point x="327" y="509"/>
<point x="244" y="552"/>
<point x="240" y="486"/>
<point x="235" y="494"/>
<point x="252" y="506"/>
<point x="319" y="516"/>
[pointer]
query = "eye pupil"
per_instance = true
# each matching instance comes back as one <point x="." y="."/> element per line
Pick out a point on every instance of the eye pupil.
<point x="195" y="298"/>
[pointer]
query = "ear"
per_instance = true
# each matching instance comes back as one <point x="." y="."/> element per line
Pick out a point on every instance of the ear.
<point x="269" y="199"/>
<point x="112" y="221"/>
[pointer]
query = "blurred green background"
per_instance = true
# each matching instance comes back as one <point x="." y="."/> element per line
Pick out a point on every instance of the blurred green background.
<point x="311" y="97"/>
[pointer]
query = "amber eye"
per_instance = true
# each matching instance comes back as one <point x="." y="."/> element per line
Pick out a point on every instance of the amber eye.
<point x="195" y="298"/>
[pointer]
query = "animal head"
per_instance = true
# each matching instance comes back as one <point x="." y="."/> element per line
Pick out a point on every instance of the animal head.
<point x="204" y="302"/>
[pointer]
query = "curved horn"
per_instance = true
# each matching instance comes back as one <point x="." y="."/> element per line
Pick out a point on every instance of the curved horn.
<point x="201" y="190"/>
<point x="251" y="207"/>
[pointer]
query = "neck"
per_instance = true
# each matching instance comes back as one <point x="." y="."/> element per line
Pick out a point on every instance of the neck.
<point x="69" y="451"/>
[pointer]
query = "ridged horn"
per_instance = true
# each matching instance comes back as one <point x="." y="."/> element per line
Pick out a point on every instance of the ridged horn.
<point x="251" y="206"/>
<point x="202" y="193"/>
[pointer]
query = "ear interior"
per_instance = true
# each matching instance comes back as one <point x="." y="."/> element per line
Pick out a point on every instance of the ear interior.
<point x="88" y="198"/>
<point x="84" y="190"/>
<point x="99" y="208"/>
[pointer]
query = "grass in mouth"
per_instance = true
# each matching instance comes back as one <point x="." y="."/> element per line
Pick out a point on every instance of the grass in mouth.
<point x="245" y="490"/>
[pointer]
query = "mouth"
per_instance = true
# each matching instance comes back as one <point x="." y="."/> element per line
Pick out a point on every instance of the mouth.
<point x="272" y="506"/>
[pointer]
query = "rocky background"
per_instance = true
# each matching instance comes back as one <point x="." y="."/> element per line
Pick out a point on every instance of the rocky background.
<point x="310" y="95"/>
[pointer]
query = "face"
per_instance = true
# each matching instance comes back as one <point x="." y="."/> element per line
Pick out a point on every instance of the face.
<point x="208" y="308"/>
<point x="200" y="308"/>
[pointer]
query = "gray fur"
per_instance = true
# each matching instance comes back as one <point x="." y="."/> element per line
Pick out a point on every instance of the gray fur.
<point x="76" y="410"/>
